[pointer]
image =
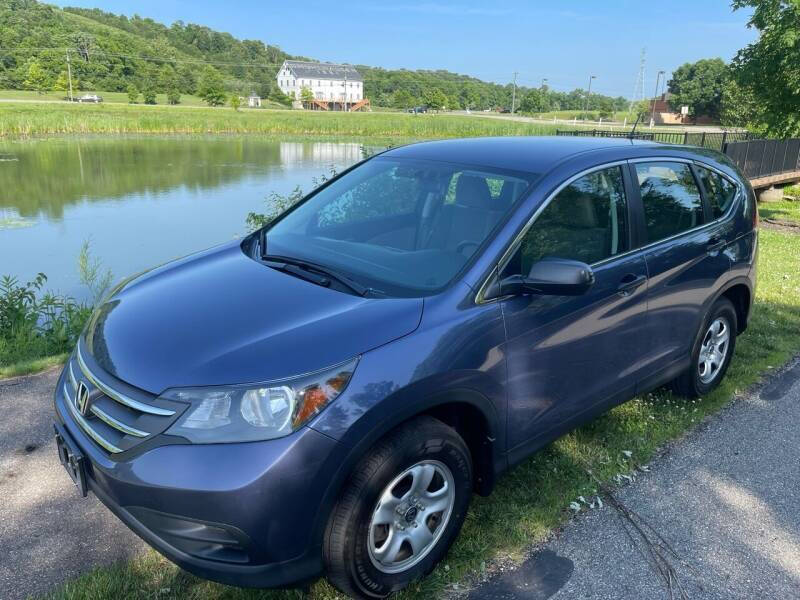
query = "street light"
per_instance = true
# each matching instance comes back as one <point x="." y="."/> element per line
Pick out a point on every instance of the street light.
<point x="588" y="93"/>
<point x="653" y="111"/>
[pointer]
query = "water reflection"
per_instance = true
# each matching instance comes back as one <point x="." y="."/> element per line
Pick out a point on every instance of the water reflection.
<point x="142" y="200"/>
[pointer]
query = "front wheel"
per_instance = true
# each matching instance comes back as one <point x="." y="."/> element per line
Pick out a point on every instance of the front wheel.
<point x="400" y="511"/>
<point x="711" y="353"/>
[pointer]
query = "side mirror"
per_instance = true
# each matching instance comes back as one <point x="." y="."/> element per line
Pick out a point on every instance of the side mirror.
<point x="551" y="277"/>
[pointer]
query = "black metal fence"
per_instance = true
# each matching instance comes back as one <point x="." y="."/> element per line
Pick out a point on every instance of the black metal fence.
<point x="706" y="139"/>
<point x="761" y="158"/>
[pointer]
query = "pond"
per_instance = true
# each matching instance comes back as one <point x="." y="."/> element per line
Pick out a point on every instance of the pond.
<point x="140" y="201"/>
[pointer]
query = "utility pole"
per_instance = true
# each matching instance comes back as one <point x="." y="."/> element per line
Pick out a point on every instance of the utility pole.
<point x="345" y="89"/>
<point x="514" y="93"/>
<point x="653" y="111"/>
<point x="588" y="93"/>
<point x="69" y="76"/>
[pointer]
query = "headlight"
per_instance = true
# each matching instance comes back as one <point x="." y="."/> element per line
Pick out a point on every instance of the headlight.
<point x="246" y="413"/>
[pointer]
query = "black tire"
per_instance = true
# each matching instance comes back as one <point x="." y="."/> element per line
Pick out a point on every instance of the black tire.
<point x="690" y="384"/>
<point x="347" y="558"/>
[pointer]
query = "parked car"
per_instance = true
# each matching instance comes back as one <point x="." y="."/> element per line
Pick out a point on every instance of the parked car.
<point x="90" y="98"/>
<point x="418" y="110"/>
<point x="324" y="396"/>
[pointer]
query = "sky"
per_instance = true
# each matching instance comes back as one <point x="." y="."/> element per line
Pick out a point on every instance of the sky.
<point x="564" y="41"/>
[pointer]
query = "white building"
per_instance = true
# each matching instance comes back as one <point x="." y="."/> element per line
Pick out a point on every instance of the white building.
<point x="328" y="82"/>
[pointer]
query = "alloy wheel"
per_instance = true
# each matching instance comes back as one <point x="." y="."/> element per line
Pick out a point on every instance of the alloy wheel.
<point x="410" y="516"/>
<point x="713" y="350"/>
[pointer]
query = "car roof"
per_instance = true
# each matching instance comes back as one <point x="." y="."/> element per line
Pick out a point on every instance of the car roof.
<point x="518" y="153"/>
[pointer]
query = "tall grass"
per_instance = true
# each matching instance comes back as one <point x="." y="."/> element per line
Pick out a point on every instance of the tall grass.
<point x="19" y="120"/>
<point x="38" y="327"/>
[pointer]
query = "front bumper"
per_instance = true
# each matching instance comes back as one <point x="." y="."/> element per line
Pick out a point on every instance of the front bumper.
<point x="244" y="514"/>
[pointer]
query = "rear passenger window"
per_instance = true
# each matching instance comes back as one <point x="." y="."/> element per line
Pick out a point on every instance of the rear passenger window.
<point x="670" y="197"/>
<point x="586" y="221"/>
<point x="719" y="190"/>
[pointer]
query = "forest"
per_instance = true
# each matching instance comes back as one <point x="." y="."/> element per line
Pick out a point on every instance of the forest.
<point x="116" y="53"/>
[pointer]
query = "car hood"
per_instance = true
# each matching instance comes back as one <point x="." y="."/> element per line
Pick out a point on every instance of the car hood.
<point x="219" y="317"/>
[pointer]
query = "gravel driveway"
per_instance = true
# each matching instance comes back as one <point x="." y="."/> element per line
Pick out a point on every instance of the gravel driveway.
<point x="47" y="532"/>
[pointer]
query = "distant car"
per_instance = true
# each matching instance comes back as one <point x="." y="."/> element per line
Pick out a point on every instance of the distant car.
<point x="90" y="98"/>
<point x="325" y="395"/>
<point x="418" y="110"/>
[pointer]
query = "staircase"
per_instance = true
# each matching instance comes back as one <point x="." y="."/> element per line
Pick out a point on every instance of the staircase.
<point x="360" y="104"/>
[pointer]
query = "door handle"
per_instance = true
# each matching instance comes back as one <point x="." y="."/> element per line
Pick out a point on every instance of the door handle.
<point x="629" y="283"/>
<point x="715" y="244"/>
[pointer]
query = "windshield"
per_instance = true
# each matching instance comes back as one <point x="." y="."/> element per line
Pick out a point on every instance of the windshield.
<point x="401" y="226"/>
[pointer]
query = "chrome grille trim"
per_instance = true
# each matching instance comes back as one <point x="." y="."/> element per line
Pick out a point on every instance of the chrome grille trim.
<point x="116" y="424"/>
<point x="121" y="398"/>
<point x="85" y="425"/>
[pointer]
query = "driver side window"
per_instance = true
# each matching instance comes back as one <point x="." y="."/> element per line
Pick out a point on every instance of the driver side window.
<point x="586" y="221"/>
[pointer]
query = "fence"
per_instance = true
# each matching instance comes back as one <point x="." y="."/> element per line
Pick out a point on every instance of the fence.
<point x="762" y="158"/>
<point x="706" y="139"/>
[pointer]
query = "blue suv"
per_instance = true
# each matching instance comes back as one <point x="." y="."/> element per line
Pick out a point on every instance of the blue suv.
<point x="324" y="396"/>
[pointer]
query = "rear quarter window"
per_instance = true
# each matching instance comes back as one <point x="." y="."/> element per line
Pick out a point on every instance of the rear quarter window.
<point x="670" y="197"/>
<point x="721" y="191"/>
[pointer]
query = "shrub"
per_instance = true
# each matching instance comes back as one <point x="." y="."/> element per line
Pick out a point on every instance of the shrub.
<point x="35" y="324"/>
<point x="133" y="94"/>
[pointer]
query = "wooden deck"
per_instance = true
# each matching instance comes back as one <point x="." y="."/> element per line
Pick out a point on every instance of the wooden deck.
<point x="770" y="180"/>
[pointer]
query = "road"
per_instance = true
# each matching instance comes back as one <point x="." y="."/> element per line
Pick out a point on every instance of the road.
<point x="724" y="499"/>
<point x="47" y="532"/>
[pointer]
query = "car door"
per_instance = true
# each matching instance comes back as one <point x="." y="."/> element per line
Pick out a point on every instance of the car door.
<point x="567" y="355"/>
<point x="685" y="259"/>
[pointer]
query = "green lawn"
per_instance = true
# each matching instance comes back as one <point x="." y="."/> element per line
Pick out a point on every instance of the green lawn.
<point x="785" y="211"/>
<point x="114" y="97"/>
<point x="19" y="120"/>
<point x="532" y="499"/>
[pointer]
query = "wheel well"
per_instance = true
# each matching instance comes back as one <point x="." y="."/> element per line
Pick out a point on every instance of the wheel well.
<point x="472" y="426"/>
<point x="739" y="295"/>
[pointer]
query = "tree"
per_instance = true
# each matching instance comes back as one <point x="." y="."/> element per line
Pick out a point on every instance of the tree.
<point x="535" y="101"/>
<point x="767" y="70"/>
<point x="306" y="96"/>
<point x="173" y="93"/>
<point x="641" y="110"/>
<point x="435" y="98"/>
<point x="133" y="94"/>
<point x="211" y="87"/>
<point x="402" y="99"/>
<point x="235" y="101"/>
<point x="36" y="78"/>
<point x="699" y="86"/>
<point x="62" y="82"/>
<point x="741" y="109"/>
<point x="149" y="94"/>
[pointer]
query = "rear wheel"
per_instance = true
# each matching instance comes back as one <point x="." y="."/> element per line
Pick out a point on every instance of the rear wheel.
<point x="400" y="511"/>
<point x="712" y="352"/>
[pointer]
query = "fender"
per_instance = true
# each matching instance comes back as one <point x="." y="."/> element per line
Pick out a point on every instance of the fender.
<point x="360" y="439"/>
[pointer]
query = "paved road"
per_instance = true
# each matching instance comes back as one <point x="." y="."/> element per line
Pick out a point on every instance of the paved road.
<point x="47" y="532"/>
<point x="725" y="499"/>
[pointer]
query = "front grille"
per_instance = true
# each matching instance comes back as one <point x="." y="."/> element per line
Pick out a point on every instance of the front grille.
<point x="116" y="419"/>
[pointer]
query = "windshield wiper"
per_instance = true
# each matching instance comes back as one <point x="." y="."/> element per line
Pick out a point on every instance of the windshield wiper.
<point x="314" y="273"/>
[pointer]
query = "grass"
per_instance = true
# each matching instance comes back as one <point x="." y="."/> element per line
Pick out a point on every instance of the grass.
<point x="785" y="211"/>
<point x="108" y="97"/>
<point x="591" y="115"/>
<point x="39" y="328"/>
<point x="532" y="499"/>
<point x="21" y="120"/>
